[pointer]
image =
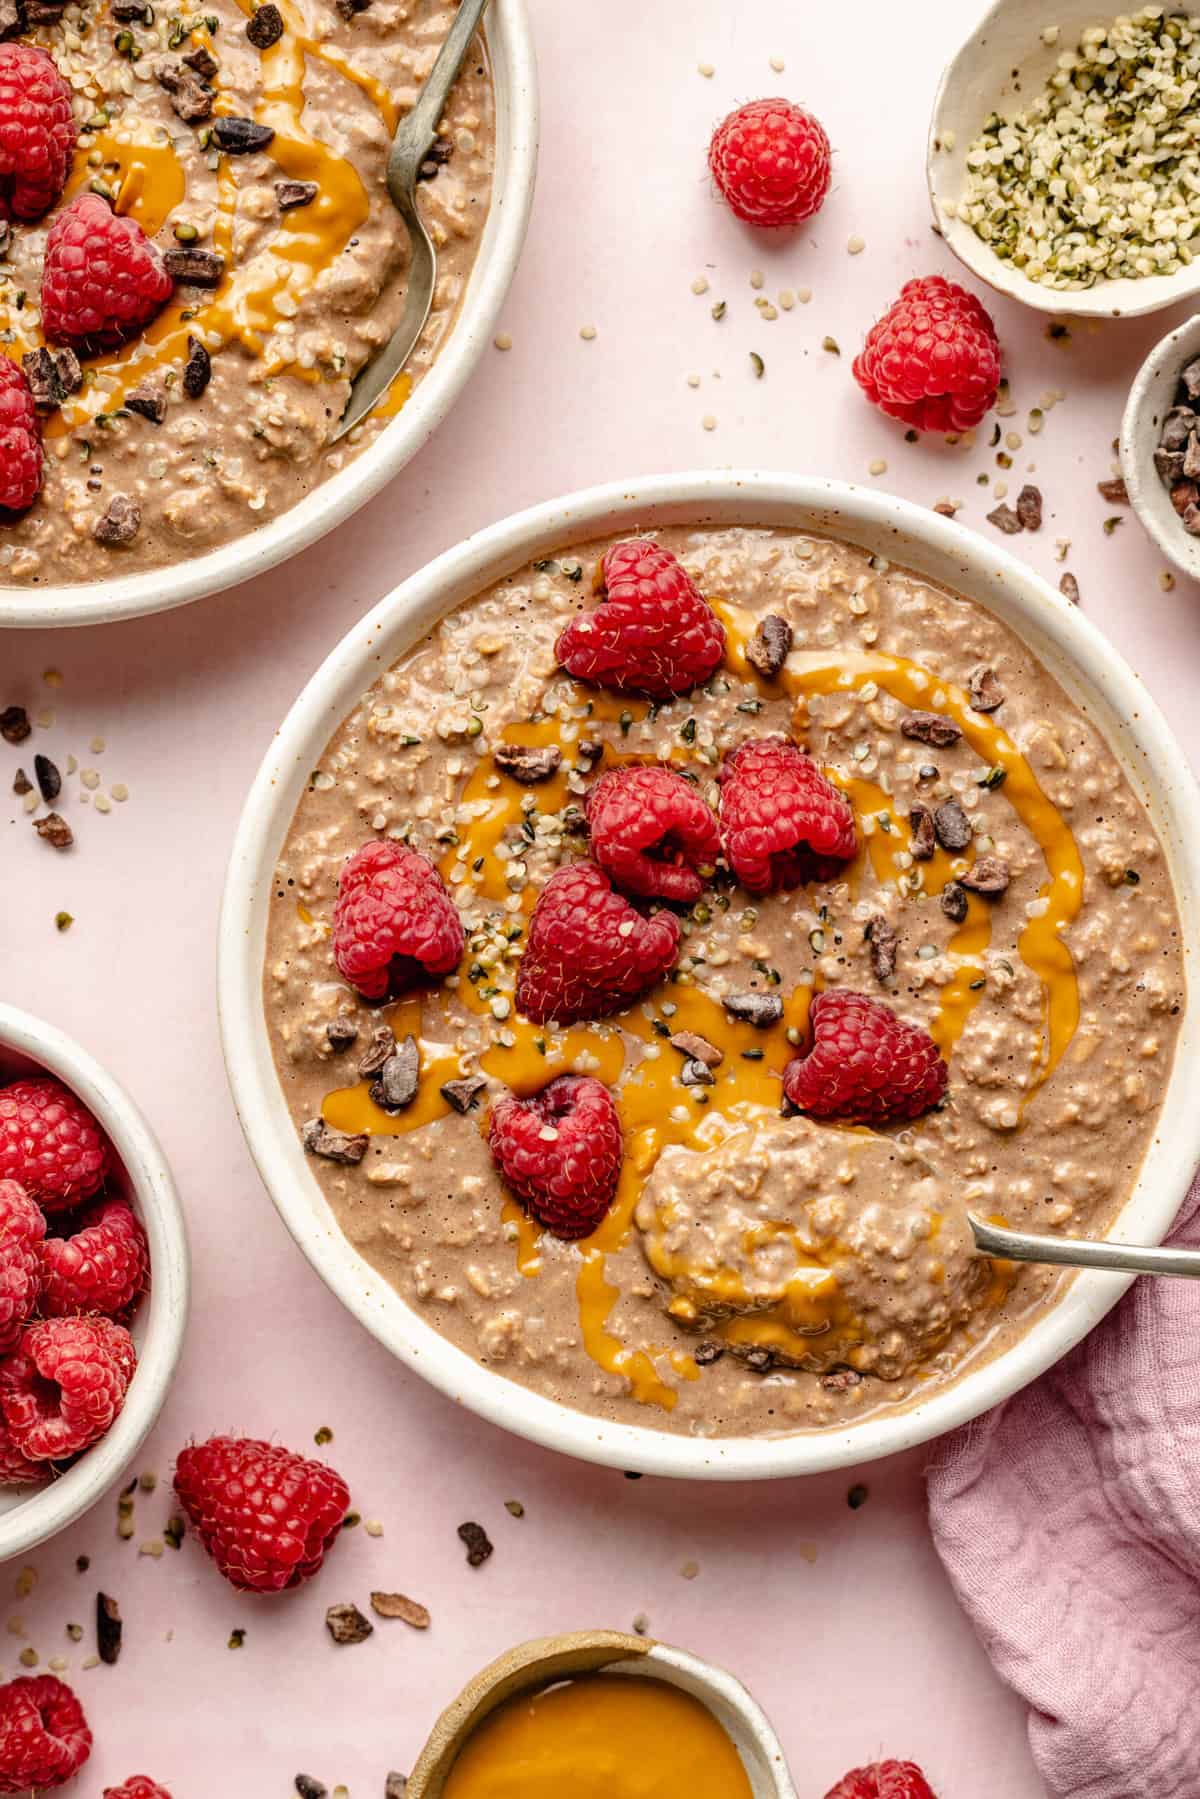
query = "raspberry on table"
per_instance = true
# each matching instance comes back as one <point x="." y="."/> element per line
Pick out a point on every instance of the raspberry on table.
<point x="883" y="1780"/>
<point x="65" y="1384"/>
<point x="44" y="1736"/>
<point x="652" y="833"/>
<point x="560" y="1152"/>
<point x="22" y="1232"/>
<point x="395" y="927"/>
<point x="933" y="359"/>
<point x="37" y="132"/>
<point x="589" y="952"/>
<point x="267" y="1517"/>
<point x="102" y="1266"/>
<point x="782" y="821"/>
<point x="103" y="279"/>
<point x="138" y="1786"/>
<point x="20" y="439"/>
<point x="653" y="631"/>
<point x="864" y="1065"/>
<point x="771" y="161"/>
<point x="51" y="1143"/>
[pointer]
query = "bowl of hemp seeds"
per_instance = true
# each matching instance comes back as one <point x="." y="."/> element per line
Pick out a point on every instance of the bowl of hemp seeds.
<point x="1160" y="446"/>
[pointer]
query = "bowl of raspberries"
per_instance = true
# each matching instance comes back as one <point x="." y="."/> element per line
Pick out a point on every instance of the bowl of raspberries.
<point x="93" y="1281"/>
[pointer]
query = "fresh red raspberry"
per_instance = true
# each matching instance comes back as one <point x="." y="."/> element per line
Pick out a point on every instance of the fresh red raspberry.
<point x="589" y="951"/>
<point x="267" y="1517"/>
<point x="16" y="1470"/>
<point x="771" y="161"/>
<point x="20" y="439"/>
<point x="653" y="632"/>
<point x="933" y="359"/>
<point x="37" y="132"/>
<point x="50" y="1143"/>
<point x="782" y="821"/>
<point x="22" y="1230"/>
<point x="103" y="279"/>
<point x="65" y="1384"/>
<point x="864" y="1064"/>
<point x="560" y="1152"/>
<point x="883" y="1780"/>
<point x="101" y="1267"/>
<point x="394" y="924"/>
<point x="44" y="1736"/>
<point x="651" y="832"/>
<point x="138" y="1786"/>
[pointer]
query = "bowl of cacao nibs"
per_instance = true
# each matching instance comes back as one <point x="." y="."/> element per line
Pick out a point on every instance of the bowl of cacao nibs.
<point x="93" y="1281"/>
<point x="1160" y="446"/>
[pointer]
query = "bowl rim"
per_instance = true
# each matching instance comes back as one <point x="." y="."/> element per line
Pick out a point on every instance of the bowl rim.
<point x="331" y="502"/>
<point x="49" y="1510"/>
<point x="1057" y="632"/>
<point x="1147" y="495"/>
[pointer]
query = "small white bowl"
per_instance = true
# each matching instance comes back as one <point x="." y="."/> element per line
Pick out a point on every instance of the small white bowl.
<point x="1150" y="399"/>
<point x="514" y="71"/>
<point x="30" y="1515"/>
<point x="1067" y="643"/>
<point x="1000" y="68"/>
<point x="551" y="1659"/>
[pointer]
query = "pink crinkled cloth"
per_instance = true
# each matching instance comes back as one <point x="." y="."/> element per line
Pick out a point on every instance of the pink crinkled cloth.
<point x="1069" y="1522"/>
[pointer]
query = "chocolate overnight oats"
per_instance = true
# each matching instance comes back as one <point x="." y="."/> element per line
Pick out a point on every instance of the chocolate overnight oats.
<point x="655" y="1048"/>
<point x="223" y="257"/>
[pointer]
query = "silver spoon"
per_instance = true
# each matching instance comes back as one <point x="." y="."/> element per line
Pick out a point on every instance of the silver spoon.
<point x="1079" y="1252"/>
<point x="410" y="146"/>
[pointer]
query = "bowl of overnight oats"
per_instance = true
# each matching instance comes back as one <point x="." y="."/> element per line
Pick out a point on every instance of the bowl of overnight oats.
<point x="664" y="919"/>
<point x="198" y="253"/>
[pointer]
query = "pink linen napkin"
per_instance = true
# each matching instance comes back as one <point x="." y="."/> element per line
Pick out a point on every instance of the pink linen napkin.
<point x="1069" y="1522"/>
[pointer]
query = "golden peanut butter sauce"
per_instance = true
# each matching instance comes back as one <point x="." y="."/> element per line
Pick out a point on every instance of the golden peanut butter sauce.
<point x="599" y="1737"/>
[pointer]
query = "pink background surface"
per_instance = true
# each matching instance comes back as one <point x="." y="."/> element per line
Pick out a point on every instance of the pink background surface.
<point x="840" y="1622"/>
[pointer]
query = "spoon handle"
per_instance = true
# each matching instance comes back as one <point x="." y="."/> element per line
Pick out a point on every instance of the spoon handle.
<point x="1079" y="1252"/>
<point x="417" y="128"/>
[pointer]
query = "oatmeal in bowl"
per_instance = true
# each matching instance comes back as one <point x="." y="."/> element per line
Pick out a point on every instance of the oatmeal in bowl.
<point x="705" y="901"/>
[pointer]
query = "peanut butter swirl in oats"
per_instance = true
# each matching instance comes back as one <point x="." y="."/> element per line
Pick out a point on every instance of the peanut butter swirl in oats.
<point x="756" y="1272"/>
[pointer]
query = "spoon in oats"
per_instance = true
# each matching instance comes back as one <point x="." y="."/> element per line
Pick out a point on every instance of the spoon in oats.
<point x="1081" y="1252"/>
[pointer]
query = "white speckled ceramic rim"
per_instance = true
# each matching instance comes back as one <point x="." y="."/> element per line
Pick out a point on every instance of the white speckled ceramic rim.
<point x="1150" y="399"/>
<point x="27" y="1046"/>
<point x="514" y="68"/>
<point x="1070" y="646"/>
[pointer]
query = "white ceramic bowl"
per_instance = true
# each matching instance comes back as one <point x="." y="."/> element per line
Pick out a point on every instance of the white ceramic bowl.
<point x="1058" y="633"/>
<point x="1150" y="399"/>
<point x="28" y="1046"/>
<point x="1000" y="68"/>
<point x="514" y="70"/>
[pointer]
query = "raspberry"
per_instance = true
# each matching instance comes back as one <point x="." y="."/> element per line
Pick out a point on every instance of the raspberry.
<point x="267" y="1517"/>
<point x="560" y="1152"/>
<point x="864" y="1065"/>
<point x="44" y="1736"/>
<point x="16" y="1470"/>
<point x="589" y="951"/>
<point x="103" y="278"/>
<point x="64" y="1384"/>
<point x="101" y="1267"/>
<point x="138" y="1786"/>
<point x="771" y="160"/>
<point x="394" y="924"/>
<point x="883" y="1780"/>
<point x="933" y="359"/>
<point x="651" y="832"/>
<point x="653" y="632"/>
<point x="20" y="439"/>
<point x="22" y="1229"/>
<point x="50" y="1143"/>
<point x="37" y="132"/>
<point x="782" y="822"/>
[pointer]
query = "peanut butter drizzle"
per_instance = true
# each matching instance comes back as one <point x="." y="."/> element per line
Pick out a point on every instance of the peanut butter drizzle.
<point x="150" y="174"/>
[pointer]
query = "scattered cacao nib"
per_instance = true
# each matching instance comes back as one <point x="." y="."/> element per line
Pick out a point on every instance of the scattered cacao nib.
<point x="21" y="783"/>
<point x="190" y="98"/>
<point x="1068" y="586"/>
<point x="69" y="371"/>
<point x="479" y="1545"/>
<point x="1029" y="508"/>
<point x="759" y="1361"/>
<point x="241" y="137"/>
<point x="197" y="370"/>
<point x="695" y="1073"/>
<point x="120" y="524"/>
<point x="308" y="1788"/>
<point x="435" y="158"/>
<point x="1191" y="458"/>
<point x="768" y="649"/>
<point x="840" y="1380"/>
<point x="44" y="12"/>
<point x="857" y="1497"/>
<point x="342" y="1031"/>
<point x="265" y="27"/>
<point x="399" y="1078"/>
<point x="333" y="1146"/>
<point x="463" y="1094"/>
<point x="946" y="508"/>
<point x="55" y="831"/>
<point x="1183" y="495"/>
<point x="346" y="1624"/>
<point x="398" y="1605"/>
<point x="203" y="61"/>
<point x="1169" y="464"/>
<point x="954" y="901"/>
<point x="951" y="826"/>
<point x="14" y="724"/>
<point x="924" y="840"/>
<point x="761" y="1009"/>
<point x="990" y="875"/>
<point x="382" y="1049"/>
<point x="707" y="1352"/>
<point x="198" y="268"/>
<point x="1190" y="379"/>
<point x="109" y="1628"/>
<point x="12" y="24"/>
<point x="526" y="763"/>
<point x="395" y="1786"/>
<point x="1006" y="520"/>
<point x="884" y="945"/>
<point x="131" y="12"/>
<point x="587" y="751"/>
<point x="349" y="9"/>
<point x="1115" y="492"/>
<point x="987" y="695"/>
<point x="291" y="194"/>
<point x="1191" y="521"/>
<point x="697" y="1048"/>
<point x="1177" y="427"/>
<point x="45" y="382"/>
<point x="149" y="401"/>
<point x="48" y="778"/>
<point x="931" y="727"/>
